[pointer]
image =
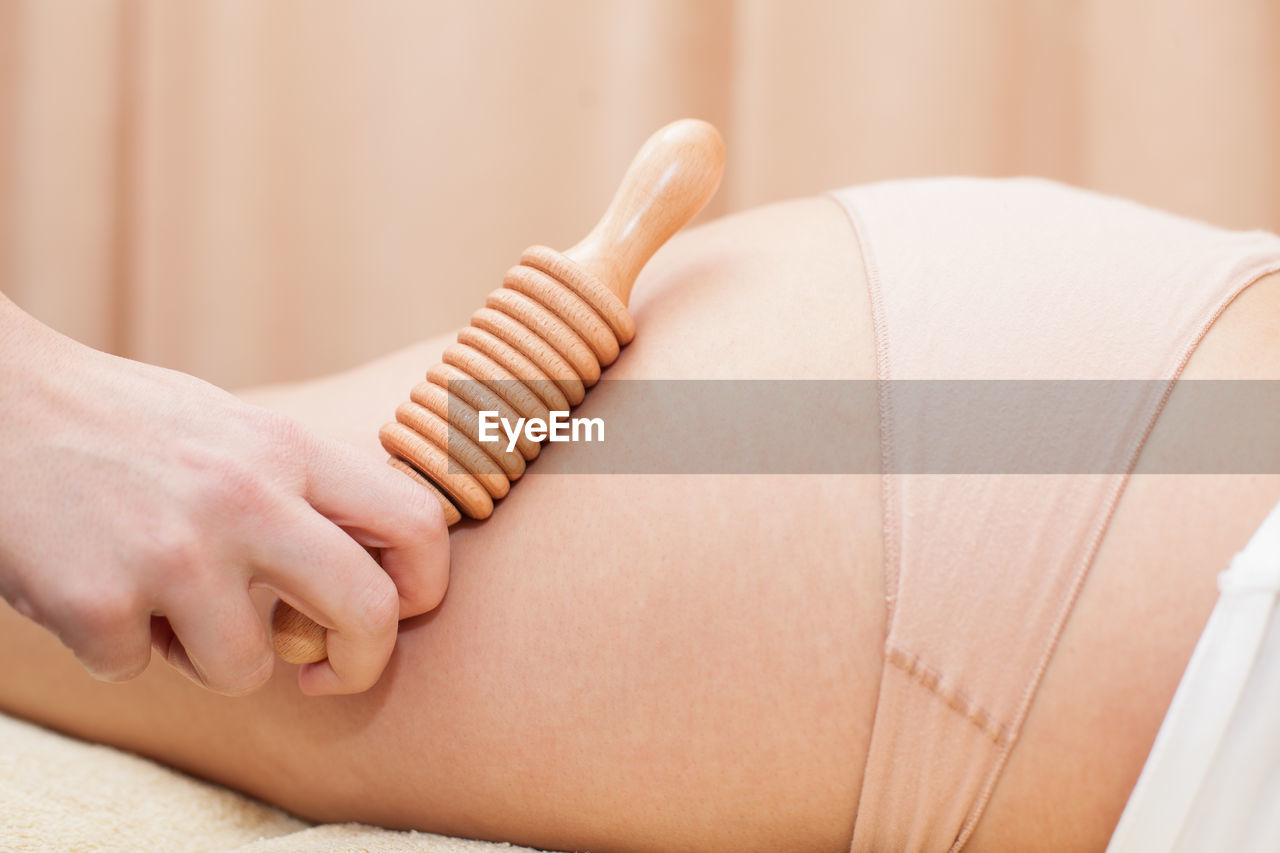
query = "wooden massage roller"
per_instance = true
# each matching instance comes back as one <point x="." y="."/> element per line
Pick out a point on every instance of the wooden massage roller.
<point x="537" y="344"/>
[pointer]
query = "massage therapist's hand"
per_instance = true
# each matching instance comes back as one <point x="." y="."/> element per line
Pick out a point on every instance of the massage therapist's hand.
<point x="138" y="506"/>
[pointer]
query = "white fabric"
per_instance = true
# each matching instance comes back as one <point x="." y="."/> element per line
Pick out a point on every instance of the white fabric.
<point x="62" y="795"/>
<point x="1212" y="780"/>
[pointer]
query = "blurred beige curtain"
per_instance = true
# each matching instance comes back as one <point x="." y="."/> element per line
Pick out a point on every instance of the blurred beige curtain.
<point x="253" y="190"/>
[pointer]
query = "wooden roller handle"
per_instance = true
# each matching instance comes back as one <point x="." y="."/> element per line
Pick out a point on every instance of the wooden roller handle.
<point x="671" y="178"/>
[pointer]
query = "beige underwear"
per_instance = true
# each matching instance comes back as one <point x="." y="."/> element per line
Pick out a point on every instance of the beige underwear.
<point x="996" y="280"/>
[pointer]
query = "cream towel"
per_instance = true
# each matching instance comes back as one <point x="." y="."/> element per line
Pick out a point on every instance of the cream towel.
<point x="62" y="794"/>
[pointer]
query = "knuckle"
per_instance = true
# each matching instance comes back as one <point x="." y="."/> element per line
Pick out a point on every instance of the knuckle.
<point x="172" y="546"/>
<point x="281" y="430"/>
<point x="421" y="512"/>
<point x="103" y="613"/>
<point x="232" y="476"/>
<point x="426" y="518"/>
<point x="379" y="603"/>
<point x="113" y="657"/>
<point x="289" y="441"/>
<point x="238" y="487"/>
<point x="434" y="587"/>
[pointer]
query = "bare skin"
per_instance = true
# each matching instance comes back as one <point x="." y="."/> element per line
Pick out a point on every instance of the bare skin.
<point x="689" y="662"/>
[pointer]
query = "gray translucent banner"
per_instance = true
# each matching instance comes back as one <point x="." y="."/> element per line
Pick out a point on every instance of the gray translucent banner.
<point x="932" y="426"/>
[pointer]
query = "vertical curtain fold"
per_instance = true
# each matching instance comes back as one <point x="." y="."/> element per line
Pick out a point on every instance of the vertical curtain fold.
<point x="258" y="191"/>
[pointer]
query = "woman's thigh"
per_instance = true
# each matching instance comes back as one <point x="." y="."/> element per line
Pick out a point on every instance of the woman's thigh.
<point x="621" y="662"/>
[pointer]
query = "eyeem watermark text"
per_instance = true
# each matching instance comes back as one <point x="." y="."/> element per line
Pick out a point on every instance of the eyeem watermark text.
<point x="558" y="427"/>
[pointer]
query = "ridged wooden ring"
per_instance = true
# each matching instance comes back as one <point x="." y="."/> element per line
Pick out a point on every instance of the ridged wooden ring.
<point x="568" y="306"/>
<point x="460" y="449"/>
<point x="479" y="366"/>
<point x="535" y="349"/>
<point x="477" y="395"/>
<point x="519" y="365"/>
<point x="551" y="329"/>
<point x="451" y="514"/>
<point x="571" y="275"/>
<point x="467" y="495"/>
<point x="467" y="421"/>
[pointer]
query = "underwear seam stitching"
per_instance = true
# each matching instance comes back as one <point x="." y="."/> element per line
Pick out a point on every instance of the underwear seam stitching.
<point x="884" y="403"/>
<point x="934" y="682"/>
<point x="845" y="201"/>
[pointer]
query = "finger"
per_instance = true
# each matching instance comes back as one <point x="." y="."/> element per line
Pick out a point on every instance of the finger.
<point x="218" y="637"/>
<point x="382" y="508"/>
<point x="165" y="643"/>
<point x="110" y="638"/>
<point x="330" y="578"/>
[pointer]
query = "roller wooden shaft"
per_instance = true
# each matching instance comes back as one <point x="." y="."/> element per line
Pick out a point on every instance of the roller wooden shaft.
<point x="537" y="345"/>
